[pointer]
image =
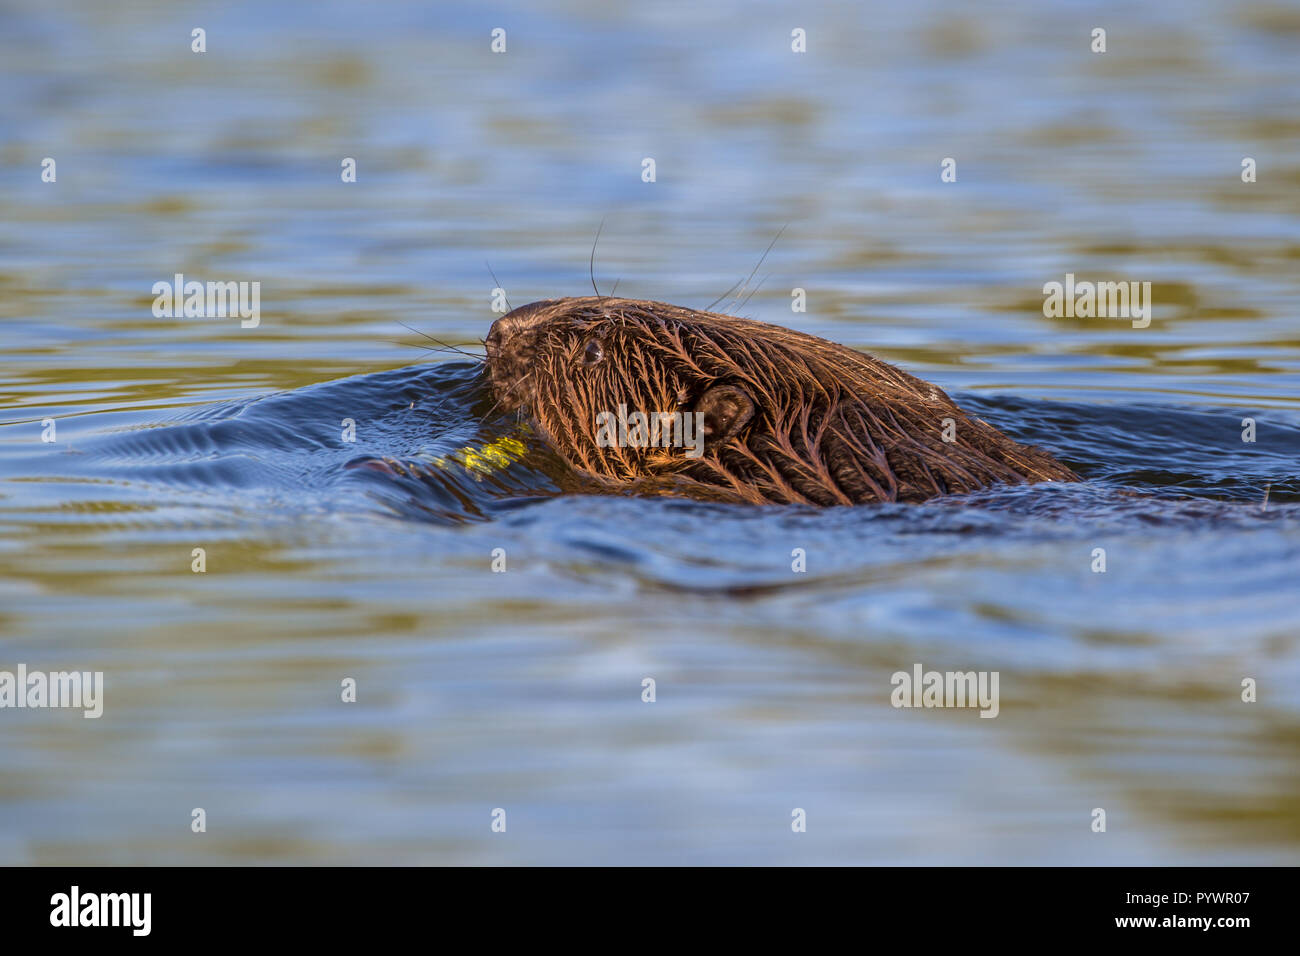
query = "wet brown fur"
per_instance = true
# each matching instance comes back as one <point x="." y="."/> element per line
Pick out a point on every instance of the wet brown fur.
<point x="790" y="418"/>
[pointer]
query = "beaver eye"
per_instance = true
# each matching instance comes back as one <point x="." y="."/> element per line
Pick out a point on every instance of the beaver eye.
<point x="593" y="353"/>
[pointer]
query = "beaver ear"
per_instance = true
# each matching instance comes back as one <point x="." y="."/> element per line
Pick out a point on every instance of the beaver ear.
<point x="726" y="410"/>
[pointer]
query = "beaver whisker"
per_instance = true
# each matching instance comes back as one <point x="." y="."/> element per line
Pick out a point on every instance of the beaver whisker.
<point x="415" y="345"/>
<point x="498" y="284"/>
<point x="752" y="291"/>
<point x="733" y="288"/>
<point x="760" y="262"/>
<point x="502" y="398"/>
<point x="591" y="262"/>
<point x="436" y="349"/>
<point x="444" y="345"/>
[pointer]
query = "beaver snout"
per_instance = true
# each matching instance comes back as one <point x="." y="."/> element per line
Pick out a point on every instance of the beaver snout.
<point x="507" y="333"/>
<point x="512" y="323"/>
<point x="511" y="345"/>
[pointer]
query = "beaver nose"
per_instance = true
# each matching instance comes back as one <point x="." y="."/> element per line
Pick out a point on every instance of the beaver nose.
<point x="519" y="320"/>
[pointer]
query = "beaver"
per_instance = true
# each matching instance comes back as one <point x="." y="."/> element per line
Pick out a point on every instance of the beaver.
<point x="786" y="417"/>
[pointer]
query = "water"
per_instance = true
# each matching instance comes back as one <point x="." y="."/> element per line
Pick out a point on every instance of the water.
<point x="479" y="690"/>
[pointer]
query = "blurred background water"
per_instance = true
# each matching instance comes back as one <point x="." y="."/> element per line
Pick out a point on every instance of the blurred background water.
<point x="522" y="690"/>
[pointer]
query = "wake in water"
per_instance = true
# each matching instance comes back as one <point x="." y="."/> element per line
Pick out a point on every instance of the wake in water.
<point x="413" y="442"/>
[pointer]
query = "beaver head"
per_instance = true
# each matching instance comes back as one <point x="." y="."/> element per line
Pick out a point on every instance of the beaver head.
<point x="784" y="416"/>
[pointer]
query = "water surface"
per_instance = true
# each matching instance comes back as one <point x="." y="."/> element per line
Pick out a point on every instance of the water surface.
<point x="522" y="690"/>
